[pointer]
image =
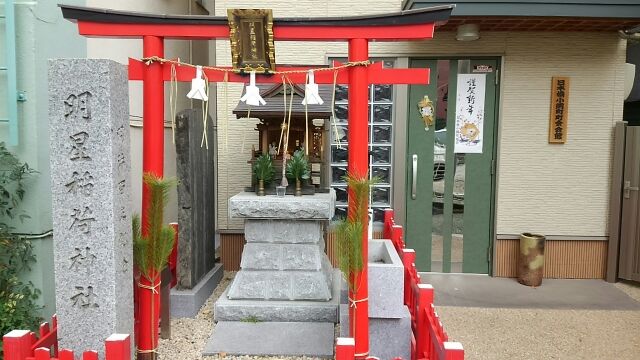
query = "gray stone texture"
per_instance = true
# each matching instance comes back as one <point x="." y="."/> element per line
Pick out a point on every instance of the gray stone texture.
<point x="196" y="198"/>
<point x="258" y="256"/>
<point x="283" y="231"/>
<point x="272" y="339"/>
<point x="187" y="302"/>
<point x="90" y="184"/>
<point x="280" y="310"/>
<point x="283" y="284"/>
<point x="388" y="338"/>
<point x="386" y="280"/>
<point x="308" y="207"/>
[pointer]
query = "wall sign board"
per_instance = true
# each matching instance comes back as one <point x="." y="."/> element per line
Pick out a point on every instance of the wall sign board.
<point x="559" y="110"/>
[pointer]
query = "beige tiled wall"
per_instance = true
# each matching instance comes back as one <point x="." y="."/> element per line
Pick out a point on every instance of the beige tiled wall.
<point x="551" y="189"/>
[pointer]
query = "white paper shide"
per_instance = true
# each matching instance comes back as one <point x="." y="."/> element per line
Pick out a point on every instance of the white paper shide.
<point x="469" y="113"/>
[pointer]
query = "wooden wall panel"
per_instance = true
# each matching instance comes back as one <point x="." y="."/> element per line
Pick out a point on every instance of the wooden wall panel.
<point x="231" y="251"/>
<point x="564" y="259"/>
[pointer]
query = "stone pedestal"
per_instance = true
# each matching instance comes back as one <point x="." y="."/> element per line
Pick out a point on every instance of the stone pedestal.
<point x="284" y="256"/>
<point x="91" y="192"/>
<point x="286" y="279"/>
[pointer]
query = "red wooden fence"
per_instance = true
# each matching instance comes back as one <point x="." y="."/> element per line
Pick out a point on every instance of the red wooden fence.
<point x="429" y="340"/>
<point x="25" y="345"/>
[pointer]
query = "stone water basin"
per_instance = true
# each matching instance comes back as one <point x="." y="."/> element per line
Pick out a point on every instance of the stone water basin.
<point x="386" y="281"/>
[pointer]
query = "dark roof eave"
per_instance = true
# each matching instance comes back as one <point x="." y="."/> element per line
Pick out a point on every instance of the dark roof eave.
<point x="436" y="14"/>
<point x="621" y="9"/>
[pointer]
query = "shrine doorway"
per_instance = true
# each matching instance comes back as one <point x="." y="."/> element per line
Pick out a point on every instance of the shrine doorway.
<point x="449" y="194"/>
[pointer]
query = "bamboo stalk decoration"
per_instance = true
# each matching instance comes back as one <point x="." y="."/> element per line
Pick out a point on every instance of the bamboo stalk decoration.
<point x="151" y="248"/>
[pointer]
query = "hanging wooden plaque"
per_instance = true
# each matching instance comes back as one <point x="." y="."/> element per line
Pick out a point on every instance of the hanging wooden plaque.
<point x="251" y="36"/>
<point x="559" y="110"/>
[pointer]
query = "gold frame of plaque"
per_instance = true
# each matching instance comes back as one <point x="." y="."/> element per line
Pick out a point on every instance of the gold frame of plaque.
<point x="251" y="36"/>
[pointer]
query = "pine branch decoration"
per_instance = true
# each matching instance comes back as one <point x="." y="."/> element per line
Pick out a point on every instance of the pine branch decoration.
<point x="151" y="251"/>
<point x="351" y="230"/>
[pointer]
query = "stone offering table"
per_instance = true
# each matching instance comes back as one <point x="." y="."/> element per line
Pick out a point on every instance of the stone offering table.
<point x="286" y="279"/>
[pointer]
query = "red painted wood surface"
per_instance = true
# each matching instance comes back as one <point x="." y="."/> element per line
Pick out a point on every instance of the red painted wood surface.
<point x="429" y="341"/>
<point x="358" y="166"/>
<point x="376" y="74"/>
<point x="152" y="162"/>
<point x="25" y="345"/>
<point x="280" y="32"/>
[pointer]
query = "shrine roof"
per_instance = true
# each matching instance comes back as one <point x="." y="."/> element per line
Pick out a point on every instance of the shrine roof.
<point x="436" y="14"/>
<point x="274" y="108"/>
<point x="539" y="15"/>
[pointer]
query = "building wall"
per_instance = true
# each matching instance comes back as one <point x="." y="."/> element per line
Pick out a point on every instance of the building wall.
<point x="42" y="34"/>
<point x="551" y="189"/>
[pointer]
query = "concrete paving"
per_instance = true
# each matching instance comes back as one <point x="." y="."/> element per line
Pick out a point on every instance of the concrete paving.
<point x="272" y="338"/>
<point x="489" y="292"/>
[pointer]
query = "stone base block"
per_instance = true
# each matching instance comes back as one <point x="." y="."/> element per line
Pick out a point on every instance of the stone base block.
<point x="386" y="280"/>
<point x="283" y="231"/>
<point x="281" y="339"/>
<point x="284" y="310"/>
<point x="388" y="338"/>
<point x="261" y="256"/>
<point x="187" y="302"/>
<point x="283" y="285"/>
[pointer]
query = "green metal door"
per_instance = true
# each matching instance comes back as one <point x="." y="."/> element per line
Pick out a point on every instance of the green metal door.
<point x="449" y="196"/>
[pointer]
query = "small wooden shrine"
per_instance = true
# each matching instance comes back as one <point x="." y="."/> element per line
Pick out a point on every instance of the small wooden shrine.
<point x="272" y="130"/>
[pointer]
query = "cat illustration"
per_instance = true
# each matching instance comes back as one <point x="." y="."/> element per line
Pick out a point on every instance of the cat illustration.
<point x="469" y="132"/>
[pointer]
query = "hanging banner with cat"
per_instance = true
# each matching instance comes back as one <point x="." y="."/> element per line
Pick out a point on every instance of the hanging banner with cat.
<point x="469" y="113"/>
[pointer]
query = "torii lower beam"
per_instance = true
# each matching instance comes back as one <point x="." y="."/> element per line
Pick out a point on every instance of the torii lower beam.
<point x="357" y="31"/>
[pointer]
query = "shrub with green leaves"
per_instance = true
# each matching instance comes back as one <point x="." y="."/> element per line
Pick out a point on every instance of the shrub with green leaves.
<point x="298" y="166"/>
<point x="263" y="168"/>
<point x="18" y="309"/>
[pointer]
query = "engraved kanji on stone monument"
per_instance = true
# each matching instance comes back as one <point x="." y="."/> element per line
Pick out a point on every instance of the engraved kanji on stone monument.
<point x="89" y="119"/>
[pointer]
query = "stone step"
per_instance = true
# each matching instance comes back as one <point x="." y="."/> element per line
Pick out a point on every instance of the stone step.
<point x="258" y="256"/>
<point x="314" y="339"/>
<point x="283" y="284"/>
<point x="280" y="310"/>
<point x="283" y="231"/>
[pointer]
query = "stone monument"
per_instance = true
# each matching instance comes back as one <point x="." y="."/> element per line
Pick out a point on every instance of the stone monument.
<point x="286" y="282"/>
<point x="198" y="273"/>
<point x="90" y="183"/>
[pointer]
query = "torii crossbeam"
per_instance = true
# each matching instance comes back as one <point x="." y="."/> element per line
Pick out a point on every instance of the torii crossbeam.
<point x="358" y="31"/>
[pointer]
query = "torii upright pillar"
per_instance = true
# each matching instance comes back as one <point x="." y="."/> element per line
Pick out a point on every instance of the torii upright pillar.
<point x="358" y="31"/>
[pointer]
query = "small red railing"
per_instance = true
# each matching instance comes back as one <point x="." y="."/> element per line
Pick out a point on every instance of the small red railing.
<point x="26" y="345"/>
<point x="429" y="340"/>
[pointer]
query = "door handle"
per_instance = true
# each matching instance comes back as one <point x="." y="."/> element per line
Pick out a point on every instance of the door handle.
<point x="628" y="188"/>
<point x="414" y="178"/>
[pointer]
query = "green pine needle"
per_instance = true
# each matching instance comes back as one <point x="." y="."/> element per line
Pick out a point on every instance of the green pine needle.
<point x="351" y="230"/>
<point x="151" y="251"/>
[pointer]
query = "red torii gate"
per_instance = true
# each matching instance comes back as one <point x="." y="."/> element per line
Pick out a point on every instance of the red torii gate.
<point x="357" y="31"/>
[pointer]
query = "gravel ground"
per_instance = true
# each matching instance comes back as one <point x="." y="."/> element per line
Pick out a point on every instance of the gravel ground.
<point x="485" y="333"/>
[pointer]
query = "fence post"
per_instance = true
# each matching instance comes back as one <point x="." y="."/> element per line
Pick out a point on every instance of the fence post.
<point x="66" y="354"/>
<point x="17" y="345"/>
<point x="345" y="348"/>
<point x="408" y="258"/>
<point x="396" y="238"/>
<point x="118" y="347"/>
<point x="423" y="338"/>
<point x="388" y="222"/>
<point x="453" y="351"/>
<point x="42" y="353"/>
<point x="90" y="355"/>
